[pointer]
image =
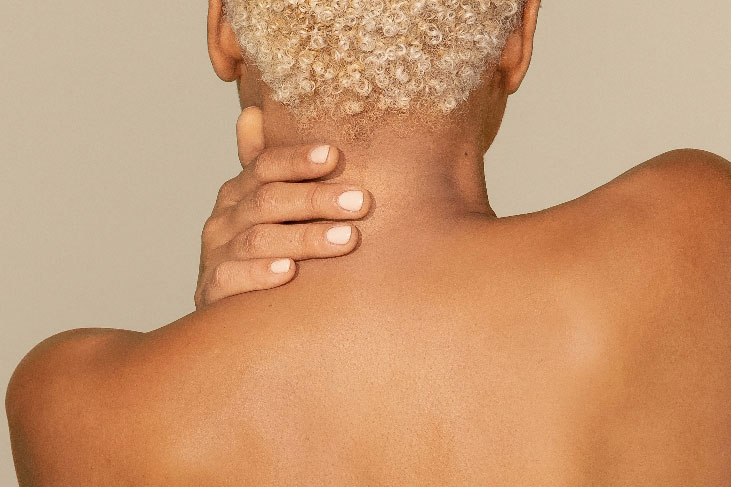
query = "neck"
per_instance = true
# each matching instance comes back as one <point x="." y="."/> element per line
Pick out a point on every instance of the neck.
<point x="416" y="181"/>
<point x="419" y="181"/>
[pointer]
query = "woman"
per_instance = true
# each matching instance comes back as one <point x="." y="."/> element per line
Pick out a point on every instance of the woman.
<point x="583" y="344"/>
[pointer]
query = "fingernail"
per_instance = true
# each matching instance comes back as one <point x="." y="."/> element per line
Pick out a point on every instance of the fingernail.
<point x="351" y="200"/>
<point x="339" y="235"/>
<point x="280" y="266"/>
<point x="319" y="154"/>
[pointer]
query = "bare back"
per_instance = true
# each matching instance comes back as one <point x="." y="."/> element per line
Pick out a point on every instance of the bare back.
<point x="587" y="344"/>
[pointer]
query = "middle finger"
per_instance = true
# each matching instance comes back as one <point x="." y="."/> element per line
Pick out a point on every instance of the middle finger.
<point x="284" y="202"/>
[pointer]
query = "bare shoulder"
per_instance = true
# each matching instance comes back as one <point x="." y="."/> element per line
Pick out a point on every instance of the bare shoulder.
<point x="682" y="228"/>
<point x="674" y="206"/>
<point x="689" y="184"/>
<point x="680" y="205"/>
<point x="661" y="227"/>
<point x="664" y="284"/>
<point x="69" y="355"/>
<point x="688" y="188"/>
<point x="649" y="253"/>
<point x="52" y="396"/>
<point x="685" y="163"/>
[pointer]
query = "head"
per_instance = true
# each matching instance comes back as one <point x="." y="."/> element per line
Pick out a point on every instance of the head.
<point x="357" y="64"/>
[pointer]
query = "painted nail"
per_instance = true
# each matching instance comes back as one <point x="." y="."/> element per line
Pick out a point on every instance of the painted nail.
<point x="339" y="235"/>
<point x="280" y="266"/>
<point x="351" y="200"/>
<point x="319" y="154"/>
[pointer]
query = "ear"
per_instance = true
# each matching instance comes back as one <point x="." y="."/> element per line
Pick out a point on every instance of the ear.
<point x="223" y="49"/>
<point x="518" y="50"/>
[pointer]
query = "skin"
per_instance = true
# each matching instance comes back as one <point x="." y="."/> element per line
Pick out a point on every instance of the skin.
<point x="584" y="344"/>
<point x="245" y="236"/>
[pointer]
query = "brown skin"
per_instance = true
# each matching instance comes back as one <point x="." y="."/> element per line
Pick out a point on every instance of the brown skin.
<point x="585" y="344"/>
<point x="245" y="234"/>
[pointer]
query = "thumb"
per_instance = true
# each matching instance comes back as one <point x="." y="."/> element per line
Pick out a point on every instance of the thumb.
<point x="250" y="134"/>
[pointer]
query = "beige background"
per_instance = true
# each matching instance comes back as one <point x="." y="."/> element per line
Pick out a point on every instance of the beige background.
<point x="115" y="135"/>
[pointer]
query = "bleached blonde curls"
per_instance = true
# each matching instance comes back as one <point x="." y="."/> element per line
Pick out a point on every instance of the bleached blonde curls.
<point x="348" y="57"/>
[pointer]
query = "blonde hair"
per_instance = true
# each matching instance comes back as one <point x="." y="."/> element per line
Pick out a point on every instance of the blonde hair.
<point x="349" y="57"/>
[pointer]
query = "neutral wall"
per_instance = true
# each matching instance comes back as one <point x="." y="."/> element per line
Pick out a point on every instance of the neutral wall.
<point x="115" y="135"/>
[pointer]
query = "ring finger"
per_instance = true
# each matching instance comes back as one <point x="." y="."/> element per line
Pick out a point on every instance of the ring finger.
<point x="298" y="241"/>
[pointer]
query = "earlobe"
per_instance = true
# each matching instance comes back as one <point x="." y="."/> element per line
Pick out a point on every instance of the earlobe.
<point x="518" y="50"/>
<point x="223" y="49"/>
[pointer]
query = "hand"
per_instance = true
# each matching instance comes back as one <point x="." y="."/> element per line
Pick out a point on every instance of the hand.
<point x="245" y="247"/>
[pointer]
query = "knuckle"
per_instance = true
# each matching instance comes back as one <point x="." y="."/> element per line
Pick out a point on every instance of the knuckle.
<point x="225" y="190"/>
<point x="198" y="298"/>
<point x="250" y="241"/>
<point x="264" y="198"/>
<point x="294" y="158"/>
<point x="221" y="277"/>
<point x="208" y="296"/>
<point x="260" y="167"/>
<point x="302" y="236"/>
<point x="210" y="229"/>
<point x="310" y="236"/>
<point x="315" y="198"/>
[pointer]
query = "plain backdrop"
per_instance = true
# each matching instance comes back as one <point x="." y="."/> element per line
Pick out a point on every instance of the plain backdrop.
<point x="115" y="135"/>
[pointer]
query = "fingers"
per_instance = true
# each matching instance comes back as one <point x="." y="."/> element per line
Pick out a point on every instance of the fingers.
<point x="303" y="241"/>
<point x="237" y="277"/>
<point x="250" y="134"/>
<point x="297" y="163"/>
<point x="293" y="163"/>
<point x="286" y="202"/>
<point x="230" y="193"/>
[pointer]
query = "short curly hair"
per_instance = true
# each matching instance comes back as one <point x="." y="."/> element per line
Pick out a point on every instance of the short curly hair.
<point x="348" y="57"/>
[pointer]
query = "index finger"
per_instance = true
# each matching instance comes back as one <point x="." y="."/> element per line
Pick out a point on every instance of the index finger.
<point x="292" y="163"/>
